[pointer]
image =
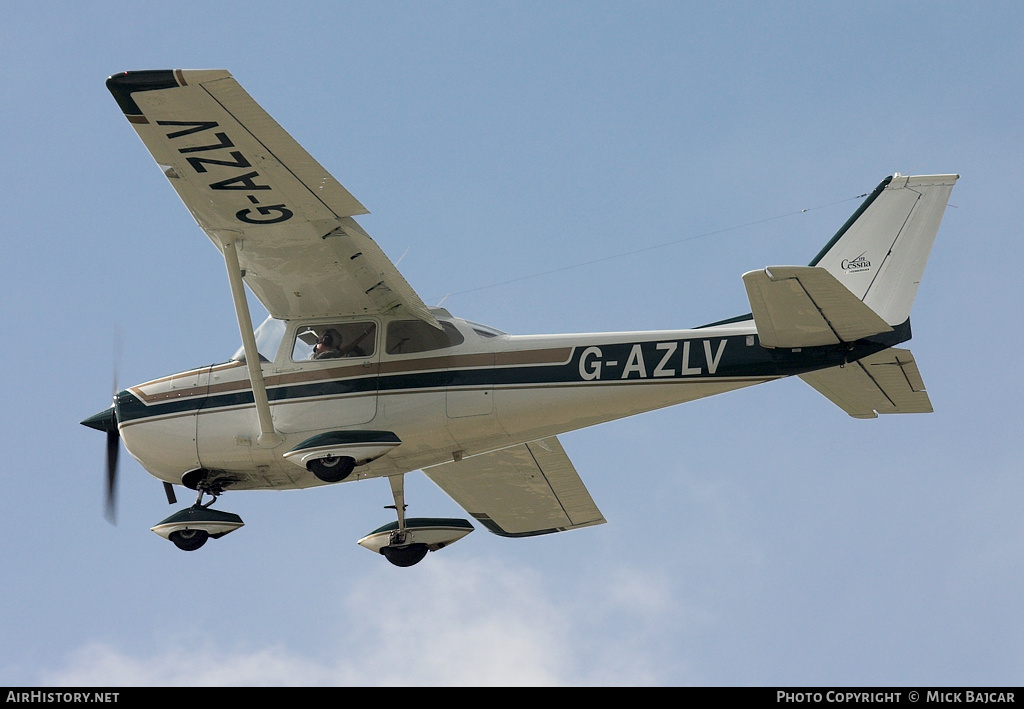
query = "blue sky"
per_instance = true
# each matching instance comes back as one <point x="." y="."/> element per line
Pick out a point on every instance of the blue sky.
<point x="761" y="537"/>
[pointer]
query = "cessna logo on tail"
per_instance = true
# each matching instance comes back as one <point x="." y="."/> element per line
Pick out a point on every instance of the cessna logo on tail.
<point x="855" y="265"/>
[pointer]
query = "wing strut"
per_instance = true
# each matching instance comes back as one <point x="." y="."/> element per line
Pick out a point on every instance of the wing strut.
<point x="268" y="437"/>
<point x="398" y="491"/>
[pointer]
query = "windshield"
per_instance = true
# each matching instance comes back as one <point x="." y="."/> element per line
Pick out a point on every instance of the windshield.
<point x="485" y="330"/>
<point x="268" y="339"/>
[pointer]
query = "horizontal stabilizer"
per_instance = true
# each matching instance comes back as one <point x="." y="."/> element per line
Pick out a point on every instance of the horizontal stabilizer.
<point x="804" y="306"/>
<point x="525" y="490"/>
<point x="886" y="382"/>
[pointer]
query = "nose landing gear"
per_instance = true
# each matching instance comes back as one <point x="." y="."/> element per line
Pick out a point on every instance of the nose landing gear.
<point x="189" y="529"/>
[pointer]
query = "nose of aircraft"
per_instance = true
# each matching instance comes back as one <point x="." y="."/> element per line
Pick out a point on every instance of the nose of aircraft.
<point x="105" y="420"/>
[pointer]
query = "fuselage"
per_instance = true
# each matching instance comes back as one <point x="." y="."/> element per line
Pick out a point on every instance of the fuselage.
<point x="466" y="391"/>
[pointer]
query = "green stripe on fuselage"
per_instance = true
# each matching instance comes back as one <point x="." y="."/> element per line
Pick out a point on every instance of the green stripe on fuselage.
<point x="656" y="360"/>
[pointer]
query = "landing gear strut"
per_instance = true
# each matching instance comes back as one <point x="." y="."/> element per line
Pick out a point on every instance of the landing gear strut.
<point x="400" y="549"/>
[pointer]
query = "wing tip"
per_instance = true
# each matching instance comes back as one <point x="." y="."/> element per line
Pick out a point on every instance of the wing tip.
<point x="123" y="85"/>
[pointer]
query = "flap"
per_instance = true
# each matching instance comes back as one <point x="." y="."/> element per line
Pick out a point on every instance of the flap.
<point x="521" y="491"/>
<point x="805" y="306"/>
<point x="887" y="382"/>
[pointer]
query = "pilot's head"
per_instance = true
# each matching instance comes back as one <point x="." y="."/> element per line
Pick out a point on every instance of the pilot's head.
<point x="328" y="344"/>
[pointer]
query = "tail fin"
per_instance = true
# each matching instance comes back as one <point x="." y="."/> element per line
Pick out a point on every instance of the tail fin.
<point x="863" y="283"/>
<point x="881" y="251"/>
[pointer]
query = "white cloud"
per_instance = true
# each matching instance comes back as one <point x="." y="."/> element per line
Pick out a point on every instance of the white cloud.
<point x="446" y="623"/>
<point x="103" y="665"/>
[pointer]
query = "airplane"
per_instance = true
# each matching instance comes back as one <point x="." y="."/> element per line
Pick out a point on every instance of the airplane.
<point x="353" y="377"/>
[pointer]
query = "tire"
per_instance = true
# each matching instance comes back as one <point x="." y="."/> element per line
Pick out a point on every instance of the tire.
<point x="332" y="469"/>
<point x="189" y="539"/>
<point x="405" y="556"/>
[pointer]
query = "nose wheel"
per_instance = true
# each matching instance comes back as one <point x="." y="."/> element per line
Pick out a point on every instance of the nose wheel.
<point x="189" y="539"/>
<point x="191" y="528"/>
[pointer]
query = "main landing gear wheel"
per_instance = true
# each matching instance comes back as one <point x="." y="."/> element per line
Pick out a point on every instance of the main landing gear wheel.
<point x="189" y="539"/>
<point x="407" y="541"/>
<point x="332" y="469"/>
<point x="405" y="556"/>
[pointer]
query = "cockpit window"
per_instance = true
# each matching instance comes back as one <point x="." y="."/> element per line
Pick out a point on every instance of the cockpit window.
<point x="334" y="340"/>
<point x="268" y="339"/>
<point x="409" y="336"/>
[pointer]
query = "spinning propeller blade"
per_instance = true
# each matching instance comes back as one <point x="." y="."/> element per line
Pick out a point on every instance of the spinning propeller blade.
<point x="113" y="449"/>
<point x="113" y="435"/>
<point x="106" y="421"/>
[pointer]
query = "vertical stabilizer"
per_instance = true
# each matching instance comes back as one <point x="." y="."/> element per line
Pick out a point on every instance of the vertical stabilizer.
<point x="881" y="252"/>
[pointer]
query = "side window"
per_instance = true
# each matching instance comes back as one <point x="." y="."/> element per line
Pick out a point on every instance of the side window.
<point x="409" y="336"/>
<point x="334" y="341"/>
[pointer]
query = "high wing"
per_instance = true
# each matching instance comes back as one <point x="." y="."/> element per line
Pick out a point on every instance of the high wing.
<point x="522" y="491"/>
<point x="245" y="180"/>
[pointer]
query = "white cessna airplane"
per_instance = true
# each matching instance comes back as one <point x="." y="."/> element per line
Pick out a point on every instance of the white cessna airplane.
<point x="353" y="377"/>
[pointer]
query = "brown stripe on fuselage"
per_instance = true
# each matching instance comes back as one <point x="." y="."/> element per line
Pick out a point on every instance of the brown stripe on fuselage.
<point x="559" y="355"/>
<point x="180" y="393"/>
<point x="189" y="372"/>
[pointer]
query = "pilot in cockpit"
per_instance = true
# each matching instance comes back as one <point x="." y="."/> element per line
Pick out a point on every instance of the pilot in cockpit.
<point x="328" y="346"/>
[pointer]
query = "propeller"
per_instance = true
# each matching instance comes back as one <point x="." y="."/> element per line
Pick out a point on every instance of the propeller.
<point x="113" y="434"/>
<point x="113" y="449"/>
<point x="106" y="421"/>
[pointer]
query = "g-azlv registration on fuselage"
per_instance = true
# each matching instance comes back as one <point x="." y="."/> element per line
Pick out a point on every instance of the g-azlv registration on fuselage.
<point x="353" y="377"/>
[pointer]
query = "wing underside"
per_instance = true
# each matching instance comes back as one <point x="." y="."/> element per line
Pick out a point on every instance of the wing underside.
<point x="245" y="179"/>
<point x="525" y="490"/>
